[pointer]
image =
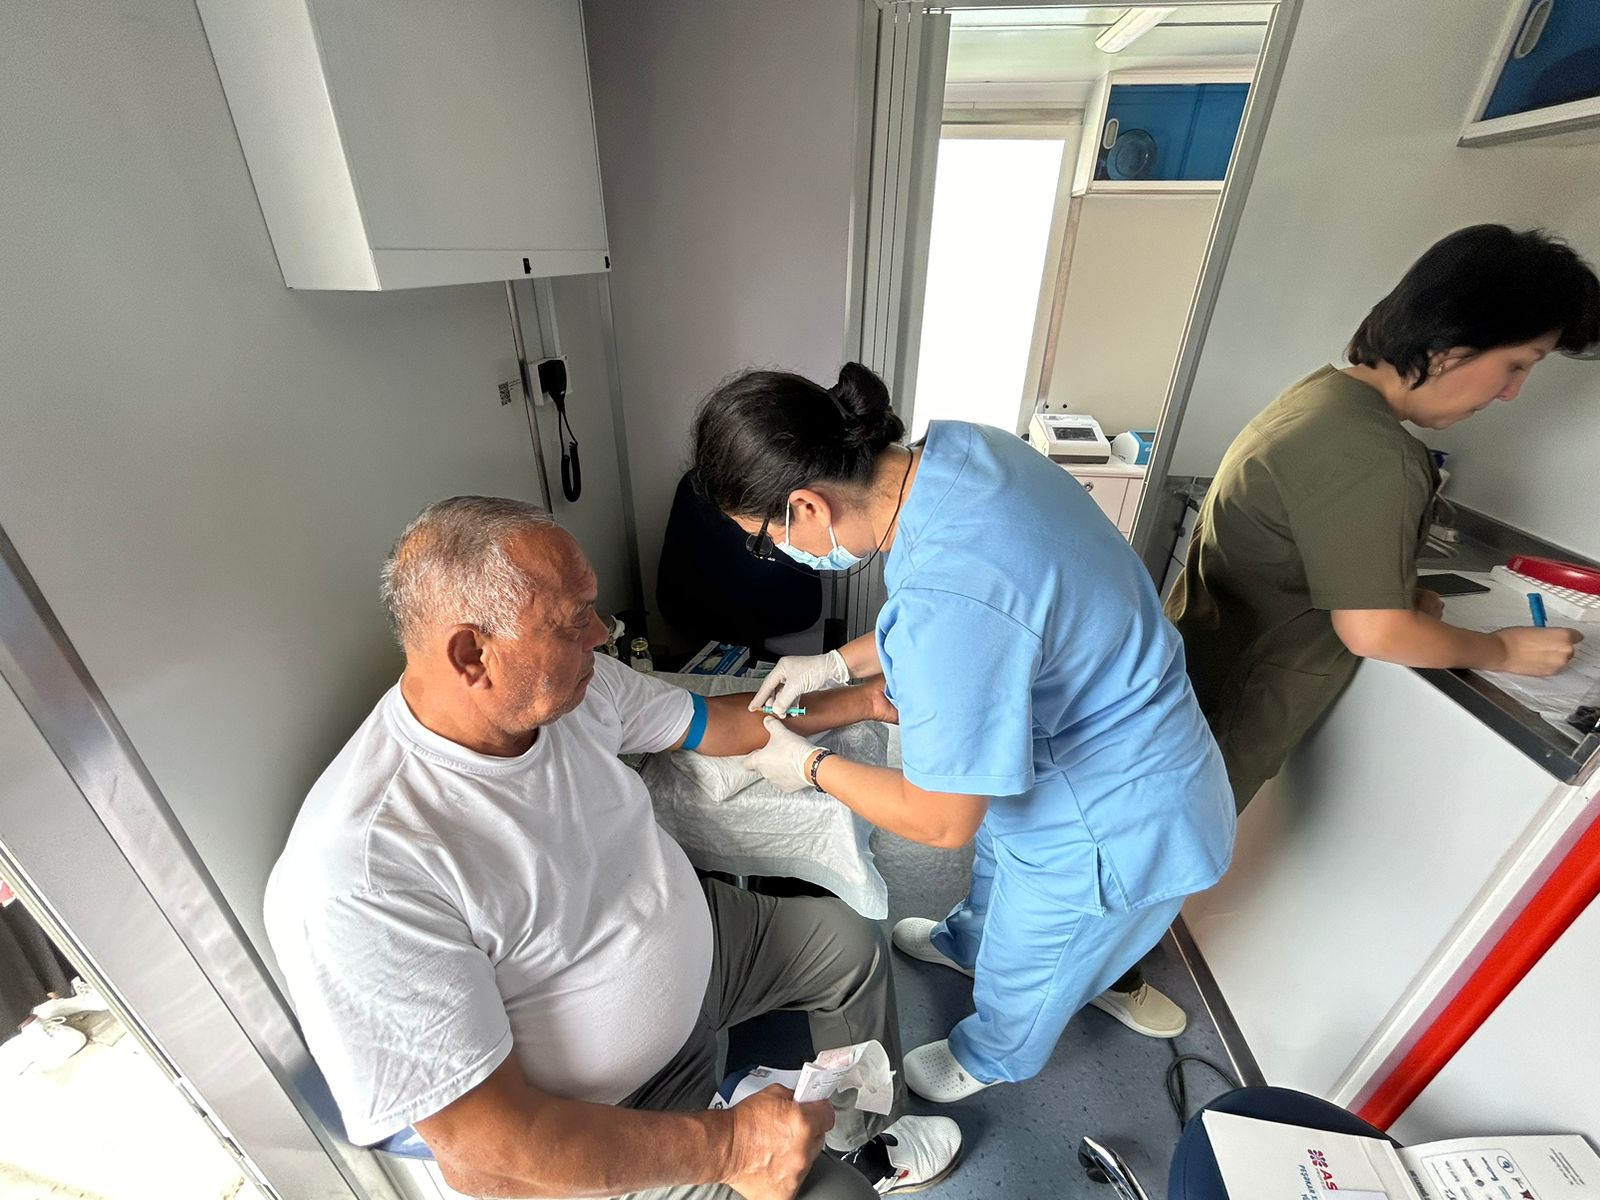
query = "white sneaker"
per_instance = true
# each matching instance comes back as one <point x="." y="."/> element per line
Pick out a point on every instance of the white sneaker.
<point x="48" y="1042"/>
<point x="84" y="999"/>
<point x="933" y="1073"/>
<point x="913" y="936"/>
<point x="1144" y="1010"/>
<point x="912" y="1154"/>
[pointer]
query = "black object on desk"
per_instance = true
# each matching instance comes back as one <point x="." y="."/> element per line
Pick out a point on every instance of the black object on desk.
<point x="1586" y="719"/>
<point x="1450" y="584"/>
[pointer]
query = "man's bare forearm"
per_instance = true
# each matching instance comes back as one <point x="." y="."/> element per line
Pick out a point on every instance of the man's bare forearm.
<point x="731" y="728"/>
<point x="504" y="1138"/>
<point x="549" y="1146"/>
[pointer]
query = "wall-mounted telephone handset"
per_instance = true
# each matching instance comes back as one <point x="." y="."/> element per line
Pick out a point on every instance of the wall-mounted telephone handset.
<point x="553" y="383"/>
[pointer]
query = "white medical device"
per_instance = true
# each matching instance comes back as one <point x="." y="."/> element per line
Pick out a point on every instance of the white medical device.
<point x="1068" y="438"/>
<point x="1134" y="446"/>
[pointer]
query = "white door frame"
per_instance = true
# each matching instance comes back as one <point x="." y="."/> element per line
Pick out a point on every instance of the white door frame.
<point x="889" y="229"/>
<point x="135" y="908"/>
<point x="900" y="99"/>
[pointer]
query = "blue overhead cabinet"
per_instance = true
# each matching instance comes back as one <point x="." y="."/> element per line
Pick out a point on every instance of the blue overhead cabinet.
<point x="1545" y="76"/>
<point x="1161" y="131"/>
<point x="1170" y="131"/>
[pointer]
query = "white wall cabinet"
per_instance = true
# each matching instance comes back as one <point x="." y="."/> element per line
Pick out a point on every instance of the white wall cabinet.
<point x="409" y="143"/>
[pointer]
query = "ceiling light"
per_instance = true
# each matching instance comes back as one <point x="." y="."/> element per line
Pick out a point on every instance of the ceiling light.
<point x="1129" y="27"/>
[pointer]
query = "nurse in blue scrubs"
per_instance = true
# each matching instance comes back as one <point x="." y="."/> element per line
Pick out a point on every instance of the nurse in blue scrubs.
<point x="1044" y="707"/>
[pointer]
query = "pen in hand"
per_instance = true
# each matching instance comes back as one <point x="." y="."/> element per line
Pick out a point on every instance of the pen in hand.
<point x="1536" y="607"/>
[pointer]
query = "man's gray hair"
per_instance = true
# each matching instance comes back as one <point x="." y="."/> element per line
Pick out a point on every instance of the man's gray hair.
<point x="451" y="567"/>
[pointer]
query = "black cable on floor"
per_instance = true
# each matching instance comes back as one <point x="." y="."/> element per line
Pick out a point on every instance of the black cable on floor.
<point x="1177" y="1090"/>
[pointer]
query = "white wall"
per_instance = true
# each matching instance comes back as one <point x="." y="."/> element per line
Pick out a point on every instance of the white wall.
<point x="204" y="469"/>
<point x="727" y="153"/>
<point x="1129" y="286"/>
<point x="1358" y="175"/>
<point x="1484" y="1090"/>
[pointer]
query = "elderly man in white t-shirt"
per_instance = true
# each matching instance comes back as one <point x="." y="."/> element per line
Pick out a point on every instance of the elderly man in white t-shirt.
<point x="486" y="935"/>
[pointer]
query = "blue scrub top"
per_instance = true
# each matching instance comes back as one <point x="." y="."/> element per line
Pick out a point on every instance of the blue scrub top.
<point x="1024" y="645"/>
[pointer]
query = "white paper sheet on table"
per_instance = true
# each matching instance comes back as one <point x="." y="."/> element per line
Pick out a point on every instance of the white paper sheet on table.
<point x="1555" y="698"/>
<point x="728" y="818"/>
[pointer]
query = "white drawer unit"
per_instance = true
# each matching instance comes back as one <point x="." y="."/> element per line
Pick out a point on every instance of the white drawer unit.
<point x="1107" y="492"/>
<point x="1116" y="487"/>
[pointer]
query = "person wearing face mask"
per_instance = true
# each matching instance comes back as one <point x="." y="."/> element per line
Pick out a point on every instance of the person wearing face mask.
<point x="1303" y="560"/>
<point x="1042" y="699"/>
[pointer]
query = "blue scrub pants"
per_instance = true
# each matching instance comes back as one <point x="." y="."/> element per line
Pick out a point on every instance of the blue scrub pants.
<point x="1039" y="958"/>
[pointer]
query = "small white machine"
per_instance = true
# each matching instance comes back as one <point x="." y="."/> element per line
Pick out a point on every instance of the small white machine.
<point x="1068" y="438"/>
<point x="1134" y="446"/>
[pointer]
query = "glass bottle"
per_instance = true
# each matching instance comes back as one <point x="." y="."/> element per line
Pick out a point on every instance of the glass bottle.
<point x="639" y="656"/>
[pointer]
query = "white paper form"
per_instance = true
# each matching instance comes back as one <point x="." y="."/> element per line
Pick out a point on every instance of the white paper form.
<point x="1554" y="698"/>
<point x="1508" y="1168"/>
<point x="1262" y="1160"/>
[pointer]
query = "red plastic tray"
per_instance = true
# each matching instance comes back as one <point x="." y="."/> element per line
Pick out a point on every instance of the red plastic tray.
<point x="1561" y="574"/>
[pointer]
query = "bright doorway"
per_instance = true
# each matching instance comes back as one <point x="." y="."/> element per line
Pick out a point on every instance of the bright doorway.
<point x="1061" y="274"/>
<point x="85" y="1112"/>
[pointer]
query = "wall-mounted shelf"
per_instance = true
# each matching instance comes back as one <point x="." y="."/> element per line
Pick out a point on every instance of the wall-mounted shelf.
<point x="411" y="144"/>
<point x="1544" y="81"/>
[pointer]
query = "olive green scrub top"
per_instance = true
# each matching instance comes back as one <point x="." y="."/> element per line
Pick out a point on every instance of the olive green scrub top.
<point x="1322" y="503"/>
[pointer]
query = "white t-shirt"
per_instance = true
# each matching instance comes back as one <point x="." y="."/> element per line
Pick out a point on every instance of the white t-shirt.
<point x="436" y="909"/>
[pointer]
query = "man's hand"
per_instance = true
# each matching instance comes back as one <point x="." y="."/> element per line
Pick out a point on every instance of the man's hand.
<point x="1536" y="651"/>
<point x="783" y="759"/>
<point x="775" y="1141"/>
<point x="878" y="700"/>
<point x="794" y="676"/>
<point x="1430" y="604"/>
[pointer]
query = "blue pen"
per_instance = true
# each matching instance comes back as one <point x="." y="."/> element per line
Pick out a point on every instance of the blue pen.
<point x="793" y="712"/>
<point x="1536" y="607"/>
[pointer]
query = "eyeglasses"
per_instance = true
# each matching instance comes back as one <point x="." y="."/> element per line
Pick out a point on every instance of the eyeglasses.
<point x="760" y="543"/>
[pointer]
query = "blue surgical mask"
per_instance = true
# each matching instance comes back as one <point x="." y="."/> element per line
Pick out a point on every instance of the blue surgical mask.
<point x="837" y="559"/>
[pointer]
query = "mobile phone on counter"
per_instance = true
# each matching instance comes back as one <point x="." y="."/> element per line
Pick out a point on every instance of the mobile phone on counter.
<point x="1450" y="584"/>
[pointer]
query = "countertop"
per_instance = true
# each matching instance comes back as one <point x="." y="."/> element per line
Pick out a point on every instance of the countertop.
<point x="1567" y="754"/>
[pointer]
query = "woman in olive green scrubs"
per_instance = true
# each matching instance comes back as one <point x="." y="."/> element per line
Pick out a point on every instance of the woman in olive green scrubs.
<point x="1304" y="555"/>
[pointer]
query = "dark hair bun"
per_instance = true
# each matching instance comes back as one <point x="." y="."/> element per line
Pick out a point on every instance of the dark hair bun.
<point x="863" y="402"/>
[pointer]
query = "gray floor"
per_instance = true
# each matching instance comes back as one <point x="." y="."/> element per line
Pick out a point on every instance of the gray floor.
<point x="1021" y="1140"/>
<point x="1103" y="1080"/>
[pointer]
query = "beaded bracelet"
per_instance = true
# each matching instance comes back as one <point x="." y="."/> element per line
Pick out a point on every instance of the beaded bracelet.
<point x="815" y="763"/>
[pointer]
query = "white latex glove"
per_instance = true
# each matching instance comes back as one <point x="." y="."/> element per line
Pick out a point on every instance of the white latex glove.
<point x="783" y="759"/>
<point x="794" y="676"/>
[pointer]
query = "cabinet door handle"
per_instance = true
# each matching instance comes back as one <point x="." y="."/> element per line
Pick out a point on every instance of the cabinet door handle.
<point x="1108" y="138"/>
<point x="1532" y="29"/>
